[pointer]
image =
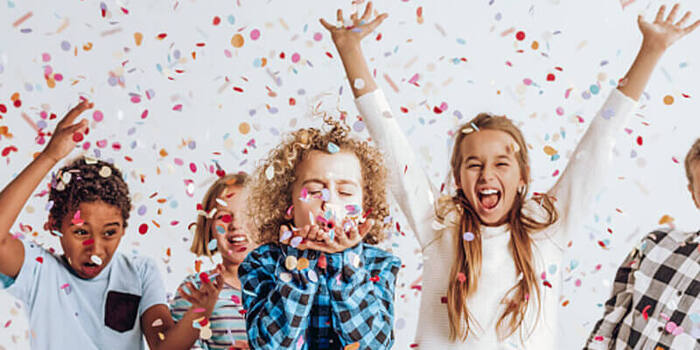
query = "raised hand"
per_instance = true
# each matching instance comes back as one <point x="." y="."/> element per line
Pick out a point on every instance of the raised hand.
<point x="663" y="32"/>
<point x="207" y="294"/>
<point x="67" y="133"/>
<point x="347" y="36"/>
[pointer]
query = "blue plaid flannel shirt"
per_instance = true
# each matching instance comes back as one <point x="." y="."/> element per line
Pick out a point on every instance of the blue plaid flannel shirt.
<point x="349" y="301"/>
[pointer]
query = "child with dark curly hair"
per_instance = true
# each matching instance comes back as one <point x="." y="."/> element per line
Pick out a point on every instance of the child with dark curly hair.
<point x="91" y="297"/>
<point x="318" y="203"/>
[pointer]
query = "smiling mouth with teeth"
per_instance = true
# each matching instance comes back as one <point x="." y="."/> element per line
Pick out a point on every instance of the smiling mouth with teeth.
<point x="489" y="198"/>
<point x="237" y="240"/>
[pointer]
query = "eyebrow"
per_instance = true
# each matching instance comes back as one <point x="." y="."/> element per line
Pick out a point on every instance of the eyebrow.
<point x="340" y="182"/>
<point x="501" y="156"/>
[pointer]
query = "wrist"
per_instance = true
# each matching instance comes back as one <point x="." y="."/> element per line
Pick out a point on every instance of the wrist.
<point x="47" y="157"/>
<point x="348" y="47"/>
<point x="653" y="48"/>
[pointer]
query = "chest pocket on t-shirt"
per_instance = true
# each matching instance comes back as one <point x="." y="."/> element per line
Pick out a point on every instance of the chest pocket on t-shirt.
<point x="121" y="310"/>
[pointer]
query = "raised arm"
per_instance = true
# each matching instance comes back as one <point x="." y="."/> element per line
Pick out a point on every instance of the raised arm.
<point x="591" y="161"/>
<point x="15" y="195"/>
<point x="408" y="183"/>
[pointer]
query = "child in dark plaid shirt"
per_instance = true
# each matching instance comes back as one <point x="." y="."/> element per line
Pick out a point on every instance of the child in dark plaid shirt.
<point x="316" y="282"/>
<point x="654" y="302"/>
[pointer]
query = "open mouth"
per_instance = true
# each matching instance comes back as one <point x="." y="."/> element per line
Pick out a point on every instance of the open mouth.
<point x="489" y="198"/>
<point x="236" y="240"/>
<point x="91" y="269"/>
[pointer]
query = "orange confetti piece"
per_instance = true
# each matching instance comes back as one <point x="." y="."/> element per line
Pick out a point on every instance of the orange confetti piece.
<point x="138" y="38"/>
<point x="665" y="219"/>
<point x="237" y="41"/>
<point x="668" y="100"/>
<point x="548" y="150"/>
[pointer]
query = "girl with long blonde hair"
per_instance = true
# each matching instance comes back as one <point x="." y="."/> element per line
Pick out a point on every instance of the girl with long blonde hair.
<point x="488" y="247"/>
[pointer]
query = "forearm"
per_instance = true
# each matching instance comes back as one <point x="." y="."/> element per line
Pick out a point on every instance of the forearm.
<point x="637" y="77"/>
<point x="181" y="335"/>
<point x="17" y="192"/>
<point x="356" y="69"/>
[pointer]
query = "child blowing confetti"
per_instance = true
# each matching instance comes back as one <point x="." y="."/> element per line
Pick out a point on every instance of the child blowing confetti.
<point x="91" y="297"/>
<point x="319" y="202"/>
<point x="487" y="247"/>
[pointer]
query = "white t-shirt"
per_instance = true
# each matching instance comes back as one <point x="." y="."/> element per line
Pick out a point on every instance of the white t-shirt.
<point x="68" y="312"/>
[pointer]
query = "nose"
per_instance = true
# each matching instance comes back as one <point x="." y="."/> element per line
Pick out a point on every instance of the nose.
<point x="487" y="173"/>
<point x="98" y="247"/>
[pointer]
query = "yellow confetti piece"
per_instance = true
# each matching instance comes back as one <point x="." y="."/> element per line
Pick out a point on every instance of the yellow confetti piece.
<point x="665" y="219"/>
<point x="668" y="100"/>
<point x="161" y="336"/>
<point x="237" y="41"/>
<point x="302" y="263"/>
<point x="548" y="150"/>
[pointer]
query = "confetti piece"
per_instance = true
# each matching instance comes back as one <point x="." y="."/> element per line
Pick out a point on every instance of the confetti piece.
<point x="665" y="220"/>
<point x="76" y="218"/>
<point x="333" y="148"/>
<point x="520" y="35"/>
<point x="290" y="262"/>
<point x="461" y="277"/>
<point x="270" y="174"/>
<point x="244" y="128"/>
<point x="105" y="171"/>
<point x="468" y="236"/>
<point x="237" y="40"/>
<point x="353" y="346"/>
<point x="21" y="20"/>
<point x="302" y="263"/>
<point x="157" y="323"/>
<point x="138" y="38"/>
<point x="668" y="100"/>
<point x="212" y="244"/>
<point x="143" y="228"/>
<point x="96" y="259"/>
<point x="359" y="84"/>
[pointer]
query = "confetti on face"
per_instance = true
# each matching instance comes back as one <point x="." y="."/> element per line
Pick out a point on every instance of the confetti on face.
<point x="96" y="259"/>
<point x="76" y="219"/>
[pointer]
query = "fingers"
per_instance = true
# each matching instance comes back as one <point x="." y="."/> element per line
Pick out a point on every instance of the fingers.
<point x="339" y="16"/>
<point x="75" y="112"/>
<point x="285" y="234"/>
<point x="672" y="16"/>
<point x="219" y="282"/>
<point x="660" y="15"/>
<point x="79" y="126"/>
<point x="691" y="27"/>
<point x="371" y="26"/>
<point x="313" y="233"/>
<point x="368" y="12"/>
<point x="365" y="227"/>
<point x="683" y="19"/>
<point x="326" y="25"/>
<point x="354" y="19"/>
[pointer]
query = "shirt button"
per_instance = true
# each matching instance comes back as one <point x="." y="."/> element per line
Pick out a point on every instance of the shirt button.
<point x="661" y="329"/>
<point x="679" y="293"/>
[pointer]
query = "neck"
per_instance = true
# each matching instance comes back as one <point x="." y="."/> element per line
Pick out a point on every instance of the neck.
<point x="231" y="274"/>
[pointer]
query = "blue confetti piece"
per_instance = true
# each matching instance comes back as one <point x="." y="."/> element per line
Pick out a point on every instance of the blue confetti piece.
<point x="212" y="244"/>
<point x="220" y="229"/>
<point x="333" y="148"/>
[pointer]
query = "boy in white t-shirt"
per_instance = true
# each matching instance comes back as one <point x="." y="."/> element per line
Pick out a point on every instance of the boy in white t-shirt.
<point x="91" y="297"/>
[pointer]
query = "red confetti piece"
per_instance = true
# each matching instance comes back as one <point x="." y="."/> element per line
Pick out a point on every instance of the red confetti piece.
<point x="639" y="140"/>
<point x="292" y="101"/>
<point x="644" y="312"/>
<point x="8" y="149"/>
<point x="40" y="260"/>
<point x="177" y="107"/>
<point x="550" y="77"/>
<point x="3" y="108"/>
<point x="88" y="241"/>
<point x="161" y="36"/>
<point x="77" y="137"/>
<point x="329" y="54"/>
<point x="216" y="20"/>
<point x="404" y="110"/>
<point x="204" y="277"/>
<point x="17" y="103"/>
<point x="599" y="338"/>
<point x="374" y="278"/>
<point x="8" y="323"/>
<point x="237" y="89"/>
<point x="143" y="229"/>
<point x="322" y="261"/>
<point x="547" y="284"/>
<point x="520" y="35"/>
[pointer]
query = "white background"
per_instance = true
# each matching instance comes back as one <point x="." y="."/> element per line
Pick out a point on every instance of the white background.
<point x="593" y="42"/>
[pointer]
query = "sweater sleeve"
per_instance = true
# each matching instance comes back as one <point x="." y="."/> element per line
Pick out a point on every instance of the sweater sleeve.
<point x="408" y="183"/>
<point x="590" y="164"/>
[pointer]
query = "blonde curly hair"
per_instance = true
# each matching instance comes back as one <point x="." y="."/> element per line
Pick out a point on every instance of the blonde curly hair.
<point x="270" y="198"/>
